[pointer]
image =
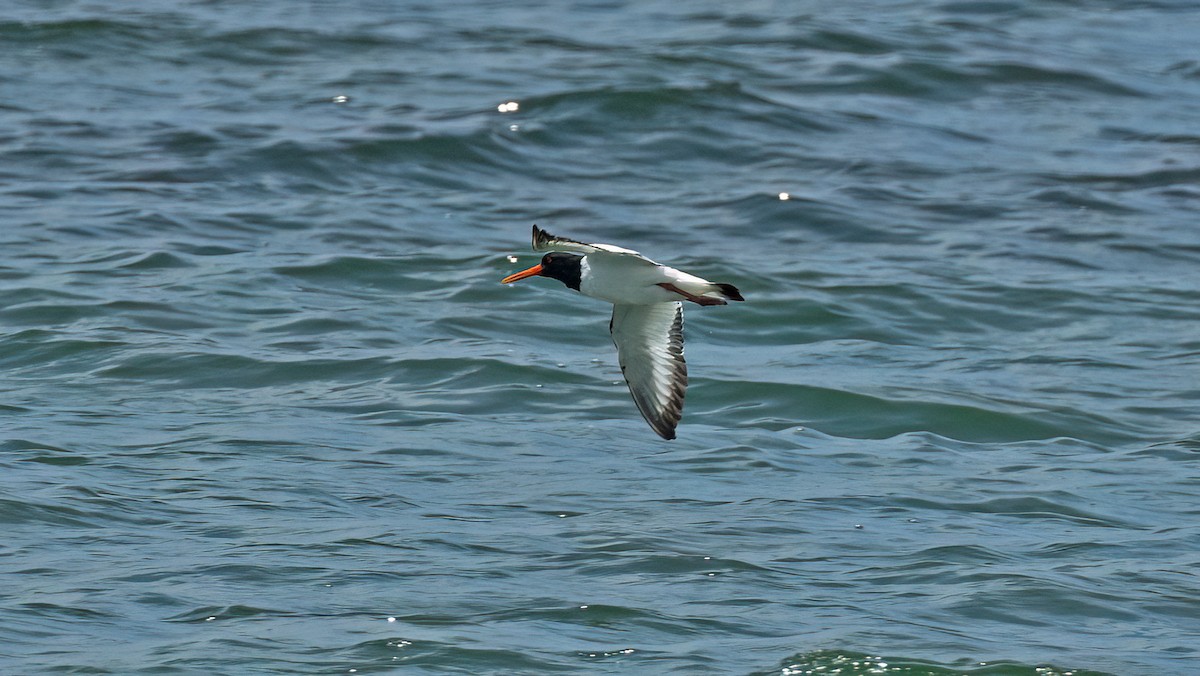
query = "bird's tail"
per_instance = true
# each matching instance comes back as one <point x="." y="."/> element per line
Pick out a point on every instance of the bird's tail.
<point x="727" y="291"/>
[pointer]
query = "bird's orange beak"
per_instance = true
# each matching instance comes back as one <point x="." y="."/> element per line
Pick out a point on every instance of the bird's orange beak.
<point x="535" y="270"/>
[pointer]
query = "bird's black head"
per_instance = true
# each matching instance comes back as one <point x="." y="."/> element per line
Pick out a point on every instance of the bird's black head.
<point x="565" y="267"/>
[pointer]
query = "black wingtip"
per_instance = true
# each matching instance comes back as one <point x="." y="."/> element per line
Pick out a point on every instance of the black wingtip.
<point x="663" y="429"/>
<point x="730" y="292"/>
<point x="540" y="237"/>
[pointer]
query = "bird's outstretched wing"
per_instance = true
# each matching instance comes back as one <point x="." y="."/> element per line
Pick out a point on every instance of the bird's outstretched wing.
<point x="649" y="341"/>
<point x="544" y="241"/>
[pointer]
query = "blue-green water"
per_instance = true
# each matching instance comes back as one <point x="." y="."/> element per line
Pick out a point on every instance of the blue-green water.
<point x="265" y="407"/>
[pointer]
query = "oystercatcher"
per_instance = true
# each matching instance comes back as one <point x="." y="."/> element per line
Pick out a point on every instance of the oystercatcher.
<point x="647" y="319"/>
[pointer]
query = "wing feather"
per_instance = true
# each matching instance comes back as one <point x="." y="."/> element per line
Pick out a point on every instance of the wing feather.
<point x="649" y="340"/>
<point x="544" y="241"/>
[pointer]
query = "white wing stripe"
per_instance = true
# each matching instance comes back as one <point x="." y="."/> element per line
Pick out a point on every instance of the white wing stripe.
<point x="649" y="340"/>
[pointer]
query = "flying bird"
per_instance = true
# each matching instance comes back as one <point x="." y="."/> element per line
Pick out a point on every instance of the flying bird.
<point x="647" y="319"/>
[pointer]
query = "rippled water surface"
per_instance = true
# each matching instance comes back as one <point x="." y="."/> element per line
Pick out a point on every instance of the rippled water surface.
<point x="265" y="407"/>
